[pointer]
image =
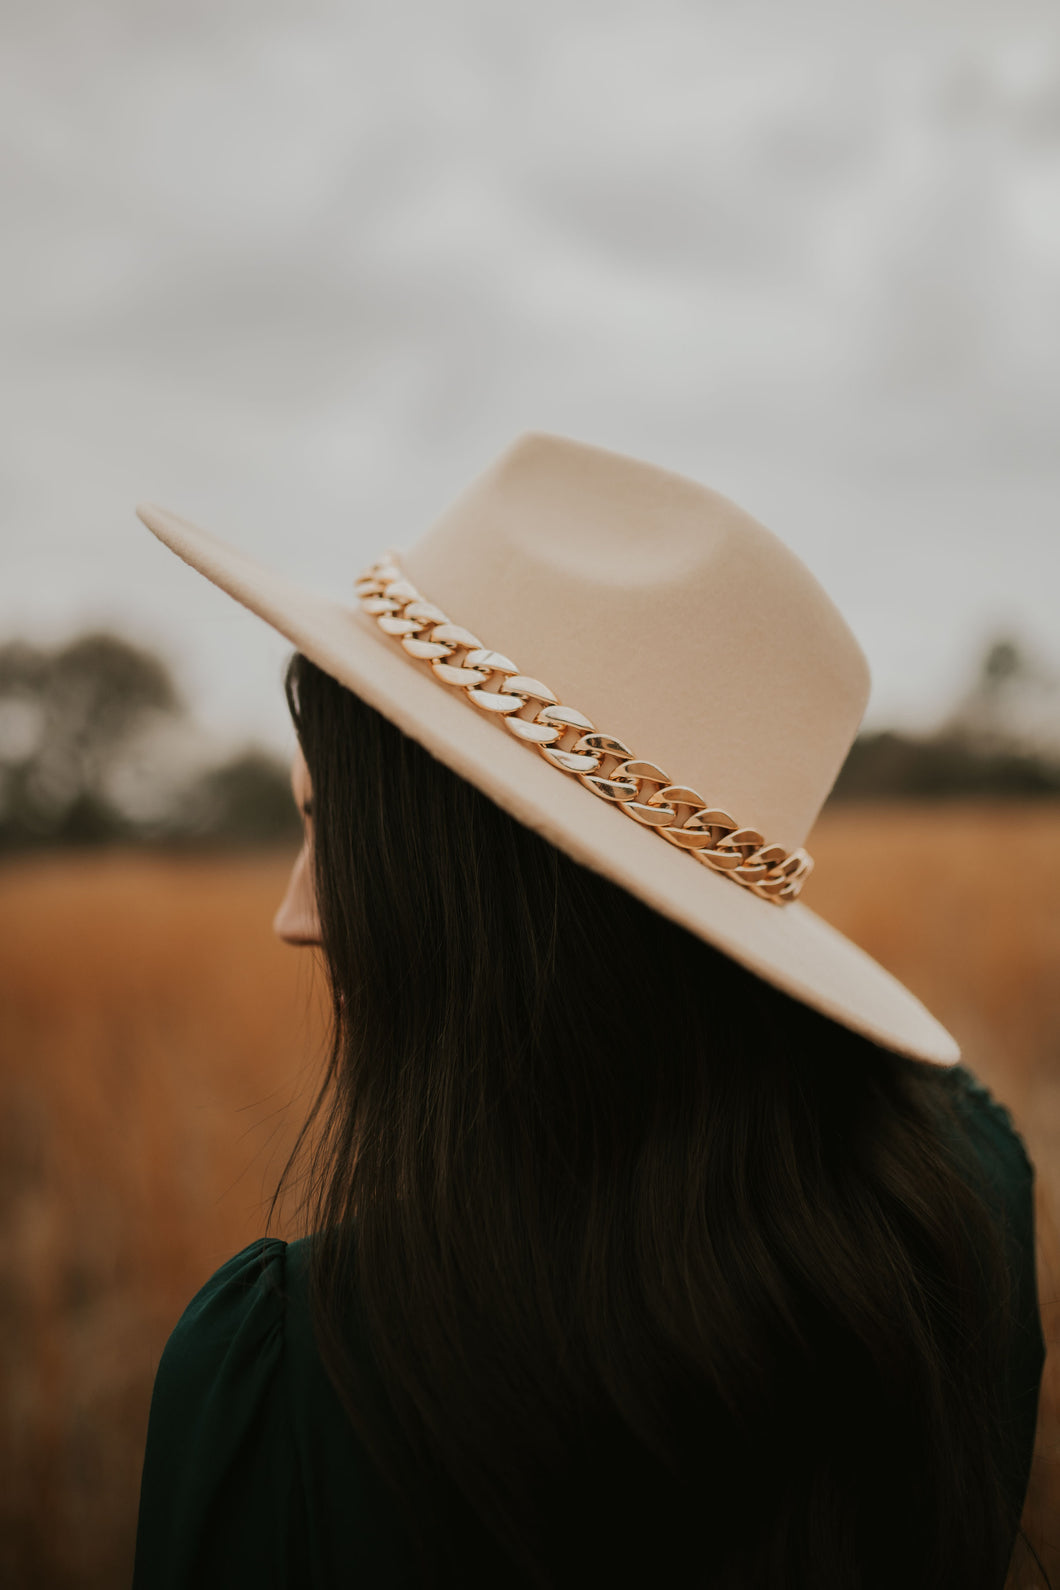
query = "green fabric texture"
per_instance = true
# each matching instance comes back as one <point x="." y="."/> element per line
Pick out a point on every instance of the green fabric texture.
<point x="253" y="1476"/>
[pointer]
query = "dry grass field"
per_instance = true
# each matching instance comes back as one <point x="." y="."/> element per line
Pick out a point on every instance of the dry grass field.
<point x="157" y="1050"/>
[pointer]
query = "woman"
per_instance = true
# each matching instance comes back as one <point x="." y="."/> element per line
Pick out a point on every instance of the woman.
<point x="656" y="1236"/>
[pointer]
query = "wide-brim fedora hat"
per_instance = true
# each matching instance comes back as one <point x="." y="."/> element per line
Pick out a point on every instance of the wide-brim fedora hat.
<point x="635" y="668"/>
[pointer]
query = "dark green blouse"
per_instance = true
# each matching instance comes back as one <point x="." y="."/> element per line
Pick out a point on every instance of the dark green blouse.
<point x="252" y="1474"/>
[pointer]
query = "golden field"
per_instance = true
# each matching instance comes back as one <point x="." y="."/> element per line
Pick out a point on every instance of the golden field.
<point x="158" y="1048"/>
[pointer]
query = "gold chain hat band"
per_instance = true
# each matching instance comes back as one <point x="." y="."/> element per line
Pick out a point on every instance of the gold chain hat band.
<point x="533" y="713"/>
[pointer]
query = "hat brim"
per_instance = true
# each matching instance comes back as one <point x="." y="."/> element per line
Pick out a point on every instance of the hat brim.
<point x="790" y="946"/>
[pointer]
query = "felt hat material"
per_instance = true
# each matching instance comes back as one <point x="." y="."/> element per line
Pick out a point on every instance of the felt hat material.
<point x="676" y="623"/>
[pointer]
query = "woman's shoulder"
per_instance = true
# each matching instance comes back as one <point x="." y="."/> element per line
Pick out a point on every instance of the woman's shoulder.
<point x="1008" y="1176"/>
<point x="991" y="1131"/>
<point x="253" y="1472"/>
<point x="247" y="1288"/>
<point x="241" y="1337"/>
<point x="218" y="1437"/>
<point x="241" y="1318"/>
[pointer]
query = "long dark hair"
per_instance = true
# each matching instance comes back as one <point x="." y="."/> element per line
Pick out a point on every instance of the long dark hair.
<point x="664" y="1277"/>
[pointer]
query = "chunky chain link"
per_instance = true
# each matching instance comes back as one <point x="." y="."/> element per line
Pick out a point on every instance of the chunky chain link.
<point x="565" y="737"/>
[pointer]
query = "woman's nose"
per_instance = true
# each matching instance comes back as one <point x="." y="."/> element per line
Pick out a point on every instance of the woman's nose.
<point x="297" y="921"/>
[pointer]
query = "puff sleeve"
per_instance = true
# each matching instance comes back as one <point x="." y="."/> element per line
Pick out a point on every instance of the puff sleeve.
<point x="221" y="1501"/>
<point x="1008" y="1178"/>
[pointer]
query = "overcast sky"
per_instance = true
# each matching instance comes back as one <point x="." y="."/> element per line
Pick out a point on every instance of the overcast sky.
<point x="299" y="271"/>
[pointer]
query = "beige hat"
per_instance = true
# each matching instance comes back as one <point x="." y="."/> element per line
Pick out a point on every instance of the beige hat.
<point x="632" y="666"/>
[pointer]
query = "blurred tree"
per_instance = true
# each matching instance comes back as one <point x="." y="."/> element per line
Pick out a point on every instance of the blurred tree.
<point x="64" y="717"/>
<point x="1013" y="703"/>
<point x="1002" y="739"/>
<point x="1003" y="660"/>
<point x="246" y="800"/>
<point x="73" y="718"/>
<point x="896" y="766"/>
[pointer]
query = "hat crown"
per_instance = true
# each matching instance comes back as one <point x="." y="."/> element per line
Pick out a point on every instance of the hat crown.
<point x="669" y="616"/>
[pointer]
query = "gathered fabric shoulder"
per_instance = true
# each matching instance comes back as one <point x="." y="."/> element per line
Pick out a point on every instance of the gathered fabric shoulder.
<point x="252" y="1473"/>
<point x="219" y="1436"/>
<point x="993" y="1124"/>
<point x="1007" y="1181"/>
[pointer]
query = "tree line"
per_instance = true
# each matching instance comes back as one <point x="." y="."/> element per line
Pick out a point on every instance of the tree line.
<point x="98" y="747"/>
